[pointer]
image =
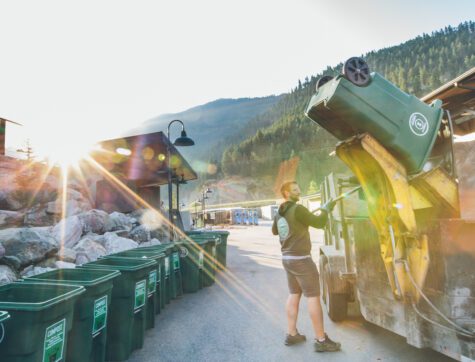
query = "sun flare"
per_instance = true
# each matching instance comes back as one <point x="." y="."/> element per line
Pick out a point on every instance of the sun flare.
<point x="66" y="151"/>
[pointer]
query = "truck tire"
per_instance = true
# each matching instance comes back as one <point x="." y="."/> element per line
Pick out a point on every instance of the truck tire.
<point x="336" y="303"/>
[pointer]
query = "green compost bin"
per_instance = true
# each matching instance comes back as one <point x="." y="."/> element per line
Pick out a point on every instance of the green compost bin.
<point x="203" y="248"/>
<point x="209" y="245"/>
<point x="173" y="276"/>
<point x="209" y="242"/>
<point x="128" y="309"/>
<point x="87" y="339"/>
<point x="155" y="277"/>
<point x="402" y="123"/>
<point x="192" y="265"/>
<point x="221" y="247"/>
<point x="41" y="318"/>
<point x="4" y="316"/>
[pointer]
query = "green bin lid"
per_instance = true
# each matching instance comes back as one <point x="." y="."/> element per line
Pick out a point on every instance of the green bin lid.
<point x="202" y="239"/>
<point x="32" y="297"/>
<point x="139" y="254"/>
<point x="160" y="247"/>
<point x="123" y="264"/>
<point x="84" y="277"/>
<point x="4" y="316"/>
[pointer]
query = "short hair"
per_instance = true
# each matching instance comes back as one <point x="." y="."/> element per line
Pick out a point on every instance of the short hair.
<point x="286" y="187"/>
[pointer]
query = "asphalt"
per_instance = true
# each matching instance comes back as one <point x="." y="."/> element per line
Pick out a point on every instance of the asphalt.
<point x="242" y="317"/>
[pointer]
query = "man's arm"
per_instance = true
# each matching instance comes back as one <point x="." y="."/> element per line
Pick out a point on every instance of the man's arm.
<point x="274" y="228"/>
<point x="307" y="218"/>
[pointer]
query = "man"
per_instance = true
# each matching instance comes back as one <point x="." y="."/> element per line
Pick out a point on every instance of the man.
<point x="291" y="224"/>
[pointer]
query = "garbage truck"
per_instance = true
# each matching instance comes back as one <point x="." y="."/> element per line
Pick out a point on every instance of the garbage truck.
<point x="400" y="243"/>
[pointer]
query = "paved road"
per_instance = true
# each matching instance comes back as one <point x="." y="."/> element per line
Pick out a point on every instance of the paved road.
<point x="241" y="317"/>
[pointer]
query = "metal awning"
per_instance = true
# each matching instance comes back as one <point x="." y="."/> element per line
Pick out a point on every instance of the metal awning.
<point x="458" y="97"/>
<point x="143" y="159"/>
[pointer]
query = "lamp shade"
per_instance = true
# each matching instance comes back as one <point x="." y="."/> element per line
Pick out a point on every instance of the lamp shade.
<point x="184" y="140"/>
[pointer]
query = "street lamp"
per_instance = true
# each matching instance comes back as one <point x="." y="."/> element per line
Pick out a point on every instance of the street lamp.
<point x="183" y="140"/>
<point x="205" y="197"/>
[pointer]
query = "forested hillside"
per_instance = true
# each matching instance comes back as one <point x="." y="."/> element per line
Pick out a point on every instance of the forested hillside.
<point x="220" y="117"/>
<point x="416" y="66"/>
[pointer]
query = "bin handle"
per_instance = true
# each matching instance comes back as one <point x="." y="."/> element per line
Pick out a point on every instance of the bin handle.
<point x="2" y="333"/>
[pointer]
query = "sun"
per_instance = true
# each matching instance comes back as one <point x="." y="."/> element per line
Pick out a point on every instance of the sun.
<point x="65" y="151"/>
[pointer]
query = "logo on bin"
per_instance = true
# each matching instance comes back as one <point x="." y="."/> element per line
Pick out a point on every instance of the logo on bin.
<point x="183" y="252"/>
<point x="54" y="342"/>
<point x="418" y="124"/>
<point x="100" y="315"/>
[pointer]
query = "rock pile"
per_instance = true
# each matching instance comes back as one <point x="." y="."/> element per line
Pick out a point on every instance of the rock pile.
<point x="75" y="240"/>
<point x="43" y="227"/>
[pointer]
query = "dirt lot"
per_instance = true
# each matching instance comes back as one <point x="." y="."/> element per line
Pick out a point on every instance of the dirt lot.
<point x="241" y="317"/>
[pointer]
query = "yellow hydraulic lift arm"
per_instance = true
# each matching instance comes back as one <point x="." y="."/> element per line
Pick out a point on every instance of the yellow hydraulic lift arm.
<point x="392" y="200"/>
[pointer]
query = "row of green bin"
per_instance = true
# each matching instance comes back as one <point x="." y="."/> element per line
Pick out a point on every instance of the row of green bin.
<point x="100" y="310"/>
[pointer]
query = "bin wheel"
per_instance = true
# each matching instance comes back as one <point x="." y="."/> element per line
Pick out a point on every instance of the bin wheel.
<point x="323" y="80"/>
<point x="336" y="303"/>
<point x="356" y="70"/>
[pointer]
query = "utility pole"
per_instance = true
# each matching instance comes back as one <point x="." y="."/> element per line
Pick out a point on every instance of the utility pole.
<point x="28" y="150"/>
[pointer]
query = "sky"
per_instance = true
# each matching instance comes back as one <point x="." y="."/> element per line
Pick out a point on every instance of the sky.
<point x="75" y="72"/>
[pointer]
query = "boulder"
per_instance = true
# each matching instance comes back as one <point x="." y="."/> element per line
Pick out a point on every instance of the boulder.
<point x="9" y="201"/>
<point x="88" y="250"/>
<point x="119" y="221"/>
<point x="140" y="234"/>
<point x="94" y="221"/>
<point x="114" y="243"/>
<point x="73" y="207"/>
<point x="37" y="216"/>
<point x="64" y="265"/>
<point x="47" y="263"/>
<point x="7" y="275"/>
<point x="29" y="272"/>
<point x="10" y="218"/>
<point x="67" y="255"/>
<point x="28" y="245"/>
<point x="68" y="231"/>
<point x="151" y="242"/>
<point x="12" y="261"/>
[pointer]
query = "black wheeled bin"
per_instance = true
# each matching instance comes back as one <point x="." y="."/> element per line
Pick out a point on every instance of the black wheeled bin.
<point x="87" y="339"/>
<point x="154" y="284"/>
<point x="128" y="306"/>
<point x="42" y="316"/>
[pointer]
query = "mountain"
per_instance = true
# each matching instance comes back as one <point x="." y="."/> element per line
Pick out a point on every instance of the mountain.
<point x="210" y="124"/>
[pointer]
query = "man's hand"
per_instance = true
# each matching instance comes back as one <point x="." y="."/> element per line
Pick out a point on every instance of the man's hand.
<point x="328" y="206"/>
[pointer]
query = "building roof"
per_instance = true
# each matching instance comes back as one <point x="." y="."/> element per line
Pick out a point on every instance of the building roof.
<point x="458" y="97"/>
<point x="143" y="158"/>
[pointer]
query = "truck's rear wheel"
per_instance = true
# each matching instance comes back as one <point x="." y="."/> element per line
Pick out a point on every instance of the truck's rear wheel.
<point x="336" y="303"/>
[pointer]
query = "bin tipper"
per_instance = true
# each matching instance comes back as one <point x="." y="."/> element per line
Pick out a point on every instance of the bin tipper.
<point x="407" y="260"/>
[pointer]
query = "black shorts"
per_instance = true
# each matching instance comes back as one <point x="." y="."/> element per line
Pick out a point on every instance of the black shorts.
<point x="302" y="277"/>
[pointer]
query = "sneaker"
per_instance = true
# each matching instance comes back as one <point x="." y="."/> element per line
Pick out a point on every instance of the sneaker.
<point x="291" y="340"/>
<point x="327" y="345"/>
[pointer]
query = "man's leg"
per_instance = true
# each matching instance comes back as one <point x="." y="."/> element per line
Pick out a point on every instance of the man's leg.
<point x="316" y="316"/>
<point x="292" y="308"/>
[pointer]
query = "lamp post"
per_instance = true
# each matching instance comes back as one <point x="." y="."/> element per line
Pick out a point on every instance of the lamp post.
<point x="183" y="140"/>
<point x="205" y="197"/>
